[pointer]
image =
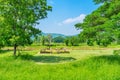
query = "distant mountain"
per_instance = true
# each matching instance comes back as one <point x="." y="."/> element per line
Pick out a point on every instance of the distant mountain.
<point x="54" y="34"/>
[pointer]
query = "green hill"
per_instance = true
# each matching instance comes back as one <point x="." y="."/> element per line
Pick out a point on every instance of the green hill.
<point x="54" y="34"/>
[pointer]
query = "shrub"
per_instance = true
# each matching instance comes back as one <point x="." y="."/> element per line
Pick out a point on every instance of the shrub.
<point x="116" y="52"/>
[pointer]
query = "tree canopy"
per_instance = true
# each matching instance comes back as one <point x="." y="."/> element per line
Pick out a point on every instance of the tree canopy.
<point x="102" y="25"/>
<point x="101" y="1"/>
<point x="18" y="19"/>
<point x="58" y="39"/>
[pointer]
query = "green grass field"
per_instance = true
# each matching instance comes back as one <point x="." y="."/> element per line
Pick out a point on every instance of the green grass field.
<point x="82" y="63"/>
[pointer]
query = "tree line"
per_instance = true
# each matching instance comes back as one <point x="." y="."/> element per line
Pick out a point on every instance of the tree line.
<point x="49" y="40"/>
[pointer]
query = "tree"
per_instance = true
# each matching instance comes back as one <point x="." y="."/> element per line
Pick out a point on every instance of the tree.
<point x="103" y="22"/>
<point x="43" y="39"/>
<point x="20" y="17"/>
<point x="101" y="1"/>
<point x="4" y="33"/>
<point x="74" y="40"/>
<point x="49" y="39"/>
<point x="58" y="39"/>
<point x="67" y="41"/>
<point x="36" y="40"/>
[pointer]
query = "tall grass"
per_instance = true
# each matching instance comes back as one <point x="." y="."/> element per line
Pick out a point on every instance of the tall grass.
<point x="99" y="65"/>
<point x="94" y="68"/>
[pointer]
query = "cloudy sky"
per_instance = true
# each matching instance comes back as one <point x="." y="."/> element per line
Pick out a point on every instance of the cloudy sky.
<point x="65" y="14"/>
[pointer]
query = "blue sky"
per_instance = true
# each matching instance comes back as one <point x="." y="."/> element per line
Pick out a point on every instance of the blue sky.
<point x="65" y="14"/>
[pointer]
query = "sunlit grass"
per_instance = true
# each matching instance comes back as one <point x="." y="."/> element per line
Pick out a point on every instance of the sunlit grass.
<point x="78" y="65"/>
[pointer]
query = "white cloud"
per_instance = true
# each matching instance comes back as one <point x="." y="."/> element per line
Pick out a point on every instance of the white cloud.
<point x="73" y="20"/>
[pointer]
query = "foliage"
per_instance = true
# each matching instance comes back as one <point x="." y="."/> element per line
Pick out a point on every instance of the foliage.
<point x="37" y="39"/>
<point x="43" y="40"/>
<point x="74" y="40"/>
<point x="66" y="41"/>
<point x="49" y="40"/>
<point x="20" y="17"/>
<point x="58" y="39"/>
<point x="90" y="42"/>
<point x="116" y="52"/>
<point x="101" y="1"/>
<point x="102" y="25"/>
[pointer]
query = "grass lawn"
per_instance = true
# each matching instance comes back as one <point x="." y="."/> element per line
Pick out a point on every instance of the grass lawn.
<point x="80" y="64"/>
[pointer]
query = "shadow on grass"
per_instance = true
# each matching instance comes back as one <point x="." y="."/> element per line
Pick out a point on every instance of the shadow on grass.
<point x="107" y="58"/>
<point x="51" y="59"/>
<point x="4" y="51"/>
<point x="24" y="57"/>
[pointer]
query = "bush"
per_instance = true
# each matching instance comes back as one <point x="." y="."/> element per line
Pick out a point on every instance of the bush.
<point x="90" y="42"/>
<point x="116" y="52"/>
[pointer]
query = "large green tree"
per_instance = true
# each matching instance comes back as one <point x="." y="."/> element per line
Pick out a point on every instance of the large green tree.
<point x="20" y="18"/>
<point x="102" y="25"/>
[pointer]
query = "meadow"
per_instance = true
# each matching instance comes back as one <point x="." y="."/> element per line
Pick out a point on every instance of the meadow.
<point x="83" y="63"/>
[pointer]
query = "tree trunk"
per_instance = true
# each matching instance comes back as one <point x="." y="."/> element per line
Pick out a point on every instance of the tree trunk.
<point x="15" y="48"/>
